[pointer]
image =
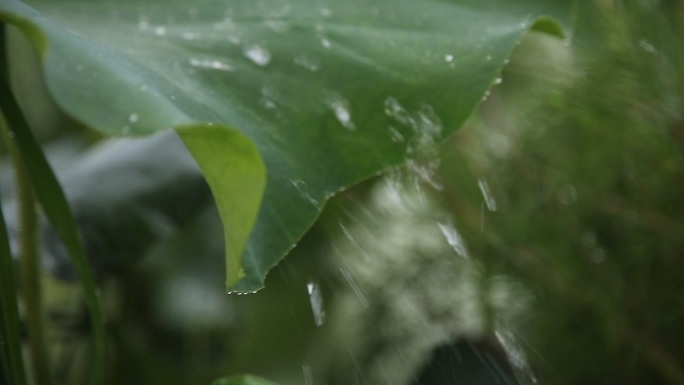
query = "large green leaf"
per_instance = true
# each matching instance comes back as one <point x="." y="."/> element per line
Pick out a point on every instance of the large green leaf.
<point x="330" y="92"/>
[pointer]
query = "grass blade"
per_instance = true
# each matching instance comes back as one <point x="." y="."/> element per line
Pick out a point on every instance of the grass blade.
<point x="51" y="198"/>
<point x="10" y="339"/>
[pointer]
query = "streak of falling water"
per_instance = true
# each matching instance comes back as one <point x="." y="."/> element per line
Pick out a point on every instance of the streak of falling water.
<point x="354" y="241"/>
<point x="316" y="299"/>
<point x="355" y="286"/>
<point x="487" y="194"/>
<point x="454" y="239"/>
<point x="308" y="374"/>
<point x="516" y="357"/>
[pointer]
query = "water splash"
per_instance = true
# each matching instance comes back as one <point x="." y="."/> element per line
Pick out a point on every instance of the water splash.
<point x="316" y="299"/>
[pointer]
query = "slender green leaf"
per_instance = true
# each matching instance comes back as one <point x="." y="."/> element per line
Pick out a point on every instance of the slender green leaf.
<point x="330" y="92"/>
<point x="10" y="336"/>
<point x="49" y="194"/>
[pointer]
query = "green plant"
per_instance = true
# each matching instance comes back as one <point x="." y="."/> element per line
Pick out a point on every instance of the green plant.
<point x="281" y="105"/>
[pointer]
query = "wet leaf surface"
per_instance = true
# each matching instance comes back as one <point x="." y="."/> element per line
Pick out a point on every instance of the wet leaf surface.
<point x="329" y="93"/>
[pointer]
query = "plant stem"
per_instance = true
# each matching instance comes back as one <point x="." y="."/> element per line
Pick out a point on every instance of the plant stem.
<point x="30" y="267"/>
<point x="49" y="194"/>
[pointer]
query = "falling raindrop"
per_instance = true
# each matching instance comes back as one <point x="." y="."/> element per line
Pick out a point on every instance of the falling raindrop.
<point x="133" y="118"/>
<point x="325" y="12"/>
<point x="316" y="299"/>
<point x="258" y="54"/>
<point x="355" y="286"/>
<point x="454" y="239"/>
<point x="449" y="58"/>
<point x="487" y="194"/>
<point x="516" y="356"/>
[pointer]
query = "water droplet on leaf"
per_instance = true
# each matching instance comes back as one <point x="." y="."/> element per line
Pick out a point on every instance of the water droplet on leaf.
<point x="342" y="112"/>
<point x="160" y="31"/>
<point x="258" y="54"/>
